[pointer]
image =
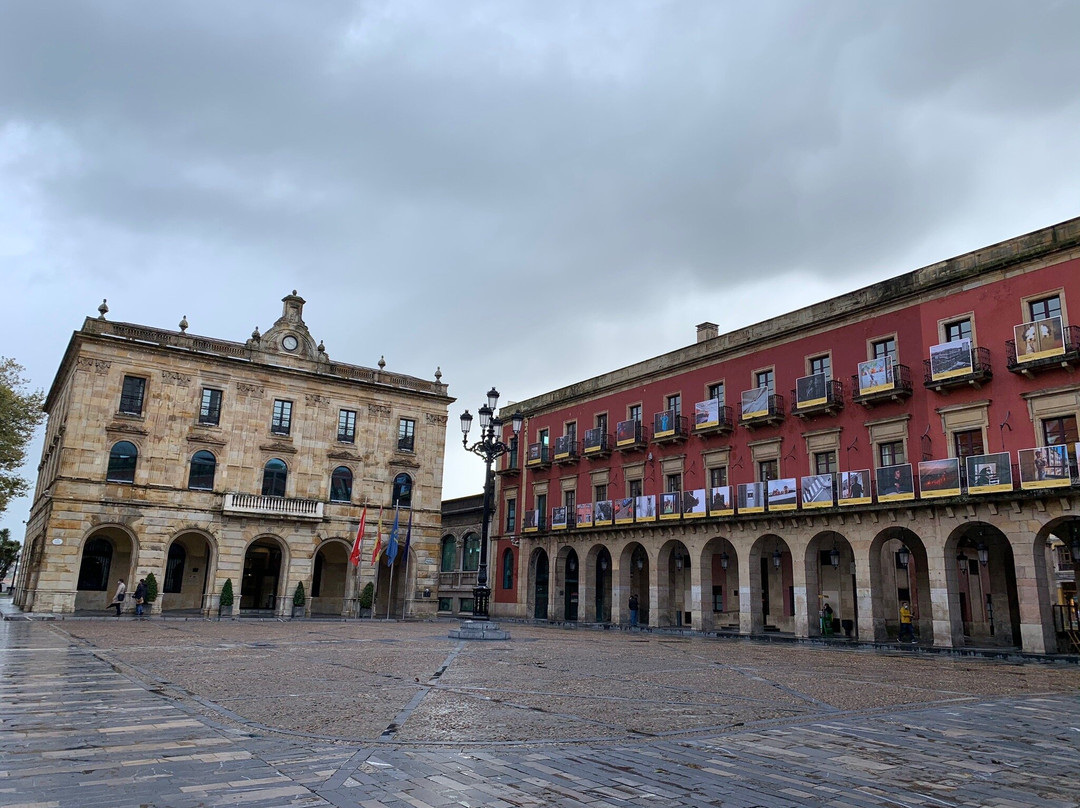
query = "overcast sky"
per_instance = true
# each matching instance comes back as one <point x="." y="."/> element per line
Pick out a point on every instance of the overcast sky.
<point x="525" y="194"/>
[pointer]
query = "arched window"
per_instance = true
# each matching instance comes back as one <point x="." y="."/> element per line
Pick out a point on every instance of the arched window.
<point x="341" y="485"/>
<point x="402" y="491"/>
<point x="174" y="568"/>
<point x="449" y="554"/>
<point x="201" y="476"/>
<point x="96" y="560"/>
<point x="508" y="569"/>
<point x="274" y="474"/>
<point x="470" y="553"/>
<point x="122" y="459"/>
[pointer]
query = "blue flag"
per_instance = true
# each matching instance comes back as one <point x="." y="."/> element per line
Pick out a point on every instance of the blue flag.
<point x="408" y="539"/>
<point x="391" y="547"/>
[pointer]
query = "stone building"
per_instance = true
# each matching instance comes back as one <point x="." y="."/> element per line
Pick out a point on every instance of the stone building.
<point x="203" y="460"/>
<point x="926" y="452"/>
<point x="459" y="554"/>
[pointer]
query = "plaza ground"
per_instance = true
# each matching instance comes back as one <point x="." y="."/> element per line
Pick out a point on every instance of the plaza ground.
<point x="372" y="713"/>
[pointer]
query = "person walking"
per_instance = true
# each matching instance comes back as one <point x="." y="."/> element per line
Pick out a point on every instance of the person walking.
<point x="140" y="597"/>
<point x="633" y="610"/>
<point x="907" y="632"/>
<point x="118" y="598"/>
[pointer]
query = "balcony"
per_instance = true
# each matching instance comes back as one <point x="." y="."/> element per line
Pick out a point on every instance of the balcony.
<point x="457" y="579"/>
<point x="630" y="436"/>
<point x="773" y="413"/>
<point x="807" y="402"/>
<point x="597" y="443"/>
<point x="511" y="467"/>
<point x="566" y="450"/>
<point x="707" y="422"/>
<point x="895" y="385"/>
<point x="1068" y="358"/>
<point x="958" y="368"/>
<point x="272" y="507"/>
<point x="669" y="427"/>
<point x="538" y="456"/>
<point x="532" y="522"/>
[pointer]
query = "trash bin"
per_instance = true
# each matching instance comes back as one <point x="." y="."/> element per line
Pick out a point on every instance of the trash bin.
<point x="835" y="625"/>
<point x="849" y="627"/>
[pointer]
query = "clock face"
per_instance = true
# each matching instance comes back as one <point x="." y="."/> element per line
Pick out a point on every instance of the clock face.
<point x="289" y="343"/>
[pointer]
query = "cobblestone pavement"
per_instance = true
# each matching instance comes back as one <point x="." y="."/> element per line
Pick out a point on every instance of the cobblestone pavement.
<point x="251" y="713"/>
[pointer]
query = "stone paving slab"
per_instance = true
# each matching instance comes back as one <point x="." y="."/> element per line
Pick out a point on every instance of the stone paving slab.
<point x="214" y="714"/>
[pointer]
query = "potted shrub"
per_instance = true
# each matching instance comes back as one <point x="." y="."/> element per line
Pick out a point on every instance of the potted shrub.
<point x="225" y="602"/>
<point x="299" y="601"/>
<point x="366" y="595"/>
<point x="151" y="591"/>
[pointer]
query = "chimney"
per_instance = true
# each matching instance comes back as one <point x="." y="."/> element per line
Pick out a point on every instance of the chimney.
<point x="707" y="331"/>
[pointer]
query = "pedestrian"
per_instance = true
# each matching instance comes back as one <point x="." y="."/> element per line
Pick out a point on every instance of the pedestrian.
<point x="140" y="597"/>
<point x="118" y="598"/>
<point x="826" y="619"/>
<point x="907" y="632"/>
<point x="633" y="610"/>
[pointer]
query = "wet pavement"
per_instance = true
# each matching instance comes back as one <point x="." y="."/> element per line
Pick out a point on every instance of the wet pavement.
<point x="265" y="713"/>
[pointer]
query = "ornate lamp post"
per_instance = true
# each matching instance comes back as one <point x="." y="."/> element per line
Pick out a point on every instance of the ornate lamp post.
<point x="489" y="447"/>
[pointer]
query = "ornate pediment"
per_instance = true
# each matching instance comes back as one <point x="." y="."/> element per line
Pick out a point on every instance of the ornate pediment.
<point x="278" y="447"/>
<point x="129" y="429"/>
<point x="206" y="437"/>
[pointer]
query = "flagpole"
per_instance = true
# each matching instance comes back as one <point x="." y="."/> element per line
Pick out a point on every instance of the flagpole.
<point x="404" y="600"/>
<point x="390" y="594"/>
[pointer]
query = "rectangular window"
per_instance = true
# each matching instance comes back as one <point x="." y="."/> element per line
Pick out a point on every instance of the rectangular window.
<point x="633" y="488"/>
<point x="968" y="443"/>
<point x="958" y="330"/>
<point x="570" y="502"/>
<point x="1060" y="430"/>
<point x="765" y="378"/>
<point x="675" y="403"/>
<point x="406" y="434"/>
<point x="821" y="364"/>
<point x="634" y="413"/>
<point x="718" y="477"/>
<point x="673" y="483"/>
<point x="541" y="506"/>
<point x="891" y="453"/>
<point x="601" y="423"/>
<point x="825" y="462"/>
<point x="131" y="397"/>
<point x="884" y="347"/>
<point x="511" y="514"/>
<point x="446" y="604"/>
<point x="210" y="409"/>
<point x="718" y="598"/>
<point x="768" y="470"/>
<point x="346" y="426"/>
<point x="542" y="437"/>
<point x="717" y="391"/>
<point x="1045" y="308"/>
<point x="282" y="421"/>
<point x="570" y="430"/>
<point x="600" y="493"/>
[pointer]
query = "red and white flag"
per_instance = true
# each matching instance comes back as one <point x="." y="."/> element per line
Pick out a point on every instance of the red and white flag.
<point x="354" y="556"/>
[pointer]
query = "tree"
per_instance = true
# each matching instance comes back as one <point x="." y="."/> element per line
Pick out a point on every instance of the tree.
<point x="20" y="415"/>
<point x="226" y="594"/>
<point x="151" y="588"/>
<point x="299" y="598"/>
<point x="9" y="552"/>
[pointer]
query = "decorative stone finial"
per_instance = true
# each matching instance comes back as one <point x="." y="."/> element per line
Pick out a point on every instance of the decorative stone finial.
<point x="255" y="335"/>
<point x="322" y="348"/>
<point x="294" y="291"/>
<point x="438" y="373"/>
<point x="382" y="362"/>
<point x="183" y="324"/>
<point x="103" y="309"/>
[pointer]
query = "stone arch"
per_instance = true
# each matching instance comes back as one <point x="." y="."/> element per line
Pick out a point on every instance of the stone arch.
<point x="198" y="569"/>
<point x="539" y="584"/>
<point x="673" y="590"/>
<point x="771" y="585"/>
<point x="892" y="582"/>
<point x="596" y="595"/>
<point x="568" y="574"/>
<point x="719" y="566"/>
<point x="122" y="564"/>
<point x="265" y="576"/>
<point x="984" y="603"/>
<point x="829" y="569"/>
<point x="1057" y="585"/>
<point x="635" y="568"/>
<point x="332" y="586"/>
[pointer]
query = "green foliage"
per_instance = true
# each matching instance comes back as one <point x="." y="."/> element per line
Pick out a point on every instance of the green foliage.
<point x="298" y="598"/>
<point x="151" y="588"/>
<point x="9" y="552"/>
<point x="226" y="594"/>
<point x="366" y="595"/>
<point x="20" y="415"/>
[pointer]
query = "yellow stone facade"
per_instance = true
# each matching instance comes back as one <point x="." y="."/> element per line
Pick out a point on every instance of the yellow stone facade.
<point x="193" y="536"/>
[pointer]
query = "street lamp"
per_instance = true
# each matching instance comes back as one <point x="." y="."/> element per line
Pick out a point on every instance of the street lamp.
<point x="489" y="446"/>
<point x="725" y="559"/>
<point x="904" y="555"/>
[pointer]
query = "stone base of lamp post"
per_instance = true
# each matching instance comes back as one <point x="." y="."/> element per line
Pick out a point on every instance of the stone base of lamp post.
<point x="478" y="630"/>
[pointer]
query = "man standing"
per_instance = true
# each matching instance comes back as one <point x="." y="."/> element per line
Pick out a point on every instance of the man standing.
<point x="633" y="610"/>
<point x="907" y="632"/>
<point x="118" y="598"/>
<point x="140" y="597"/>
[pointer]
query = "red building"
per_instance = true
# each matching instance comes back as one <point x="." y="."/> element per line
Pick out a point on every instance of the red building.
<point x="913" y="441"/>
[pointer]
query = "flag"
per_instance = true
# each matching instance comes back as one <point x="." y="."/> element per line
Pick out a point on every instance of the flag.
<point x="392" y="545"/>
<point x="408" y="539"/>
<point x="354" y="556"/>
<point x="378" y="540"/>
